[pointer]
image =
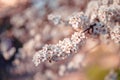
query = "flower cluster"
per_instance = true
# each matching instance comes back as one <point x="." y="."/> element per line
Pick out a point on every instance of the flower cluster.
<point x="115" y="34"/>
<point x="61" y="50"/>
<point x="54" y="18"/>
<point x="109" y="14"/>
<point x="79" y="21"/>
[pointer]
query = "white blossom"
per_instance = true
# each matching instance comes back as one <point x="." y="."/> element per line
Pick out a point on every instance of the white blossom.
<point x="61" y="50"/>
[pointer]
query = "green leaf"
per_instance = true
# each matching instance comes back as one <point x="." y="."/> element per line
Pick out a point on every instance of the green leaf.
<point x="118" y="73"/>
<point x="96" y="73"/>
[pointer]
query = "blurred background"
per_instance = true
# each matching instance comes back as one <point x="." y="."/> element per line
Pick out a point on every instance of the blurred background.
<point x="25" y="29"/>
